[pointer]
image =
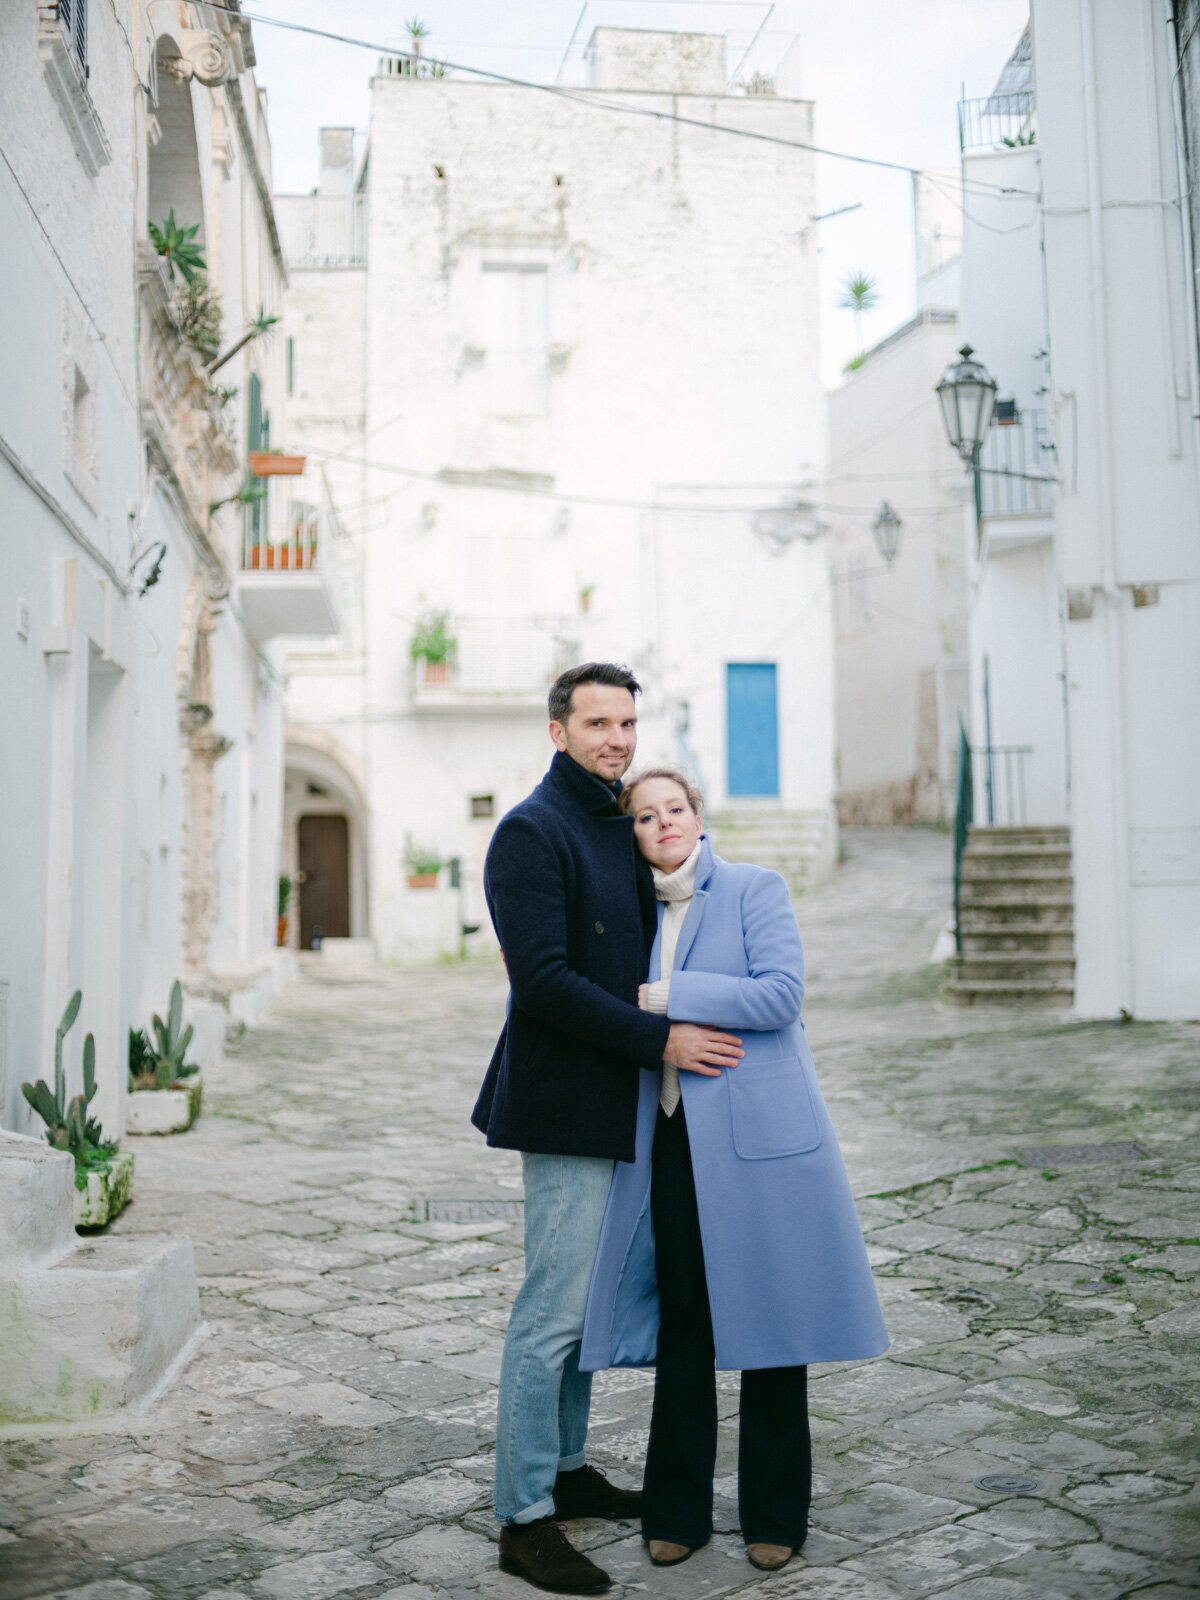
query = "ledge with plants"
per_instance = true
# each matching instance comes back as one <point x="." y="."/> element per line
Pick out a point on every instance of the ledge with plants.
<point x="103" y="1172"/>
<point x="433" y="647"/>
<point x="165" y="1088"/>
<point x="423" y="864"/>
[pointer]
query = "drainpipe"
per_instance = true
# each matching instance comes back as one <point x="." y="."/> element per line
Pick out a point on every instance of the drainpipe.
<point x="1113" y="635"/>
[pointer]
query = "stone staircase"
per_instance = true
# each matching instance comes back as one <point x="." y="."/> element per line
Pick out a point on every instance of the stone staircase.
<point x="800" y="845"/>
<point x="1017" y="919"/>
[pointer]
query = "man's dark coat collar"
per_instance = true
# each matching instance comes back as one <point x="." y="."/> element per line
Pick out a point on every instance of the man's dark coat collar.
<point x="588" y="792"/>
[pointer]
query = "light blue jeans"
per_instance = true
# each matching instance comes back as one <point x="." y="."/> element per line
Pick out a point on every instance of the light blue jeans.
<point x="544" y="1398"/>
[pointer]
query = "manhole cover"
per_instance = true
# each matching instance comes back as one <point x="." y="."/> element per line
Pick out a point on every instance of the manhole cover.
<point x="1008" y="1483"/>
<point x="473" y="1210"/>
<point x="1079" y="1155"/>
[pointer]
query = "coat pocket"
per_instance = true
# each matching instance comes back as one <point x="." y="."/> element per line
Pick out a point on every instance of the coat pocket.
<point x="772" y="1110"/>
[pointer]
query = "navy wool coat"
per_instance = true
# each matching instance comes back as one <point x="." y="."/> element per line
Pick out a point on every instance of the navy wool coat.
<point x="784" y="1259"/>
<point x="573" y="906"/>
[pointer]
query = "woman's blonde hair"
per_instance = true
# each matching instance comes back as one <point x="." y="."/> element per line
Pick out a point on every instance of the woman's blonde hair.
<point x="694" y="798"/>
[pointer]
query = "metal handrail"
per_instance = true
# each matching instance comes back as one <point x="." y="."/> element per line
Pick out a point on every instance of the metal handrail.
<point x="964" y="816"/>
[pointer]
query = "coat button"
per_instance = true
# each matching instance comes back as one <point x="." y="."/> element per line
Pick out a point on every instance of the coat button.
<point x="599" y="927"/>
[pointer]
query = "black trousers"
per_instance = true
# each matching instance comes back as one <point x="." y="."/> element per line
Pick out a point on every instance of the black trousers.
<point x="774" y="1450"/>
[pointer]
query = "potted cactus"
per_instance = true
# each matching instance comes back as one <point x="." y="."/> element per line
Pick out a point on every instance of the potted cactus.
<point x="103" y="1173"/>
<point x="165" y="1088"/>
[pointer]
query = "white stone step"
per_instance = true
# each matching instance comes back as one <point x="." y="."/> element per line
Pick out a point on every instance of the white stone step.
<point x="87" y="1328"/>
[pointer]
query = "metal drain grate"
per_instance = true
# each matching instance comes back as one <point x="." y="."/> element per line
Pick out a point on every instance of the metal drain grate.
<point x="1008" y="1483"/>
<point x="1080" y="1155"/>
<point x="439" y="1210"/>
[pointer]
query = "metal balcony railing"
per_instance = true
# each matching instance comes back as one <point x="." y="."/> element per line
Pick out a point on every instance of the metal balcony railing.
<point x="1016" y="467"/>
<point x="323" y="230"/>
<point x="996" y="120"/>
<point x="294" y="548"/>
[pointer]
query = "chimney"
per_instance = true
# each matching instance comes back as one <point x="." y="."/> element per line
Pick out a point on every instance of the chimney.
<point x="337" y="161"/>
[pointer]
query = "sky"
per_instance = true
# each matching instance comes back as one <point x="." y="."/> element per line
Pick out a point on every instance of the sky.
<point x="885" y="76"/>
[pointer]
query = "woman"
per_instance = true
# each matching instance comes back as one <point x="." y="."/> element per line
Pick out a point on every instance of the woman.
<point x="732" y="1240"/>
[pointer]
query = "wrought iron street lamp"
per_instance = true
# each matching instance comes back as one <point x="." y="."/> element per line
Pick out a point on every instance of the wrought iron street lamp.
<point x="967" y="396"/>
<point x="886" y="528"/>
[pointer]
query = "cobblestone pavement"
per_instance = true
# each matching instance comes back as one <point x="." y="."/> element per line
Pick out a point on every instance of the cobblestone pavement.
<point x="331" y="1438"/>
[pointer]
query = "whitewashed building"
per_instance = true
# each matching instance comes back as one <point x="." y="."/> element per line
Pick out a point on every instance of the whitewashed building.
<point x="147" y="717"/>
<point x="900" y="624"/>
<point x="561" y="365"/>
<point x="1085" y="622"/>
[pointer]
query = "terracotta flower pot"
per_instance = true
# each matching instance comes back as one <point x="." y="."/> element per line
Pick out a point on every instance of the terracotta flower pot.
<point x="422" y="880"/>
<point x="281" y="925"/>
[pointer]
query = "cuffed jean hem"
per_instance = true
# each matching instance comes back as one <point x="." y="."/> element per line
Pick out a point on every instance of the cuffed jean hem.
<point x="544" y="1508"/>
<point x="572" y="1463"/>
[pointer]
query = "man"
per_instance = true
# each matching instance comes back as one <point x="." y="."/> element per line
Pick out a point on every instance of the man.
<point x="573" y="906"/>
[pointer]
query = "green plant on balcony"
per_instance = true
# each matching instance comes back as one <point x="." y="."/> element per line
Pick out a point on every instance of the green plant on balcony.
<point x="433" y="642"/>
<point x="178" y="248"/>
<point x="249" y="493"/>
<point x="422" y="863"/>
<point x="198" y="307"/>
<point x="68" y="1126"/>
<point x="257" y="328"/>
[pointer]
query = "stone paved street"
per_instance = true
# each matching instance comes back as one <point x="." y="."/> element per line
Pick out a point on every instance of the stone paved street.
<point x="332" y="1435"/>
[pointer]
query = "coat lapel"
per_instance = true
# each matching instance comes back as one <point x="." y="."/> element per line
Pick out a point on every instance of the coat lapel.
<point x="691" y="924"/>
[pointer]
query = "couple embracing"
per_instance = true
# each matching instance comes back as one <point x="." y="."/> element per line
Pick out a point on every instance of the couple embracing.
<point x="686" y="1206"/>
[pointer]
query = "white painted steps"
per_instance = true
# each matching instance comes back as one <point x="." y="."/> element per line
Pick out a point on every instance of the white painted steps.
<point x="800" y="845"/>
<point x="88" y="1327"/>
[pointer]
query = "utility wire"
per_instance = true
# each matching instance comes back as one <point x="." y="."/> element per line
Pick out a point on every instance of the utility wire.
<point x="587" y="98"/>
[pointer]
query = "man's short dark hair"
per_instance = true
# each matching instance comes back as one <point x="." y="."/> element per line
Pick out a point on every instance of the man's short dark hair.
<point x="563" y="688"/>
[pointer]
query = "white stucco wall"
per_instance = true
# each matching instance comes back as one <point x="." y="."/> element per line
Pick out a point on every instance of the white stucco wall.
<point x="900" y="635"/>
<point x="1124" y="381"/>
<point x="90" y="710"/>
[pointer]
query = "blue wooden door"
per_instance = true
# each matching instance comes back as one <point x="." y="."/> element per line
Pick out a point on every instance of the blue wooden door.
<point x="752" y="732"/>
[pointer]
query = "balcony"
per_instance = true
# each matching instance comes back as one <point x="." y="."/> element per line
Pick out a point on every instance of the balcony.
<point x="504" y="662"/>
<point x="322" y="230"/>
<point x="1016" y="481"/>
<point x="185" y="429"/>
<point x="284" y="588"/>
<point x="996" y="122"/>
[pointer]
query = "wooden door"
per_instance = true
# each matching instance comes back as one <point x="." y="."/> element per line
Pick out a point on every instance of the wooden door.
<point x="324" y="878"/>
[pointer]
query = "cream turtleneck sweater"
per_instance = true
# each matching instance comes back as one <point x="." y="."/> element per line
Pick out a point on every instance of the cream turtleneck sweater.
<point x="675" y="888"/>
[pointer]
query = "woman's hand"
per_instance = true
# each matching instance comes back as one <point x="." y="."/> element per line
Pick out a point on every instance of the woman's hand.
<point x="643" y="997"/>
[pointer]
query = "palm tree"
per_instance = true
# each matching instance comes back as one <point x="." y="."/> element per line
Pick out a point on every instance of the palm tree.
<point x="416" y="30"/>
<point x="860" y="295"/>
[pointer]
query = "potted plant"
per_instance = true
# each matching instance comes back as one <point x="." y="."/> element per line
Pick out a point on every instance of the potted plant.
<point x="281" y="922"/>
<point x="423" y="865"/>
<point x="103" y="1173"/>
<point x="165" y="1088"/>
<point x="433" y="646"/>
<point x="586" y="591"/>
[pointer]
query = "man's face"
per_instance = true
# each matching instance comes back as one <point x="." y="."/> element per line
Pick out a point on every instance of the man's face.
<point x="600" y="732"/>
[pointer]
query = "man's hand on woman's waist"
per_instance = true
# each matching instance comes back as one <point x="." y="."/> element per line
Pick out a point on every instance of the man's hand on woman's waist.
<point x="691" y="1048"/>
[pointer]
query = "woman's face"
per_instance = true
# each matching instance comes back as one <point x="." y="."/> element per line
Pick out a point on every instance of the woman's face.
<point x="664" y="824"/>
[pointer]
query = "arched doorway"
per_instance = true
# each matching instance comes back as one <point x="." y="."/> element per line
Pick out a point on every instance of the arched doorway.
<point x="325" y="841"/>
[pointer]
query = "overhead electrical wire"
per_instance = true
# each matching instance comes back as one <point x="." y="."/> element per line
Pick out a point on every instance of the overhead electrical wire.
<point x="589" y="99"/>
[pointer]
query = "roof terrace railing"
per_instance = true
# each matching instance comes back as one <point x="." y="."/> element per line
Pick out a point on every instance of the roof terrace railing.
<point x="995" y="121"/>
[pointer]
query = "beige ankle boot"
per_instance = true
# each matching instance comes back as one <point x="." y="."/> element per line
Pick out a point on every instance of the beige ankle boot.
<point x="769" y="1557"/>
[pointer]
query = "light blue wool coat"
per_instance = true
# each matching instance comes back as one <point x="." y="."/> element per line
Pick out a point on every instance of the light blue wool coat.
<point x="788" y="1277"/>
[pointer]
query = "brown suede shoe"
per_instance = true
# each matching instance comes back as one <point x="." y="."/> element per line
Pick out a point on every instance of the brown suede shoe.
<point x="665" y="1554"/>
<point x="540" y="1553"/>
<point x="769" y="1557"/>
<point x="586" y="1492"/>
